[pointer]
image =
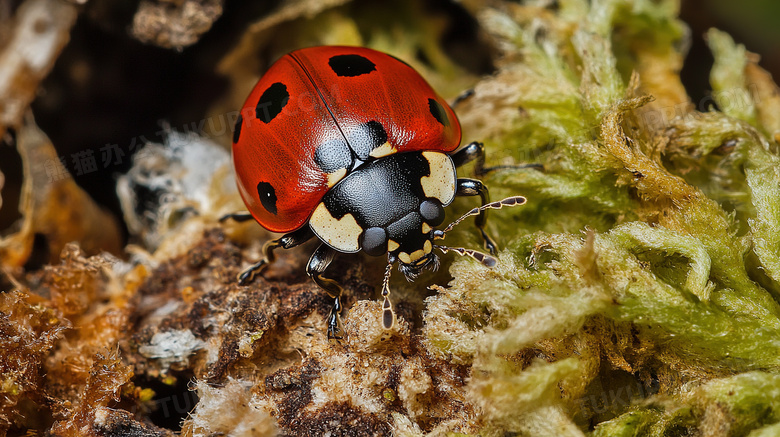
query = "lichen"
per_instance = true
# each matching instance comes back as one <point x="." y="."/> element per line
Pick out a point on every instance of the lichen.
<point x="174" y="25"/>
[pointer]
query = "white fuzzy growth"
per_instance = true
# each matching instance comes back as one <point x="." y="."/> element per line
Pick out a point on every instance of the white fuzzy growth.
<point x="230" y="410"/>
<point x="171" y="347"/>
<point x="201" y="158"/>
<point x="188" y="176"/>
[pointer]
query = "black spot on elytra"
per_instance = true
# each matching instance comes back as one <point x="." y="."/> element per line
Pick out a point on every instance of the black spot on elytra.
<point x="350" y="65"/>
<point x="237" y="129"/>
<point x="333" y="155"/>
<point x="367" y="138"/>
<point x="438" y="112"/>
<point x="272" y="102"/>
<point x="267" y="196"/>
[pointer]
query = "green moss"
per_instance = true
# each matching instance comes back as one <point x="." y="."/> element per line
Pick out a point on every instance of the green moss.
<point x="728" y="77"/>
<point x="646" y="249"/>
<point x="746" y="402"/>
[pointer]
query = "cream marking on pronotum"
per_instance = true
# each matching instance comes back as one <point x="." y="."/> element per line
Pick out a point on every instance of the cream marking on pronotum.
<point x="383" y="150"/>
<point x="336" y="176"/>
<point x="392" y="245"/>
<point x="426" y="228"/>
<point x="441" y="182"/>
<point x="341" y="234"/>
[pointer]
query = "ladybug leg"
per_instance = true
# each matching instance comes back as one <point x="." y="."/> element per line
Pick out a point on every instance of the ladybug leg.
<point x="319" y="261"/>
<point x="240" y="217"/>
<point x="463" y="96"/>
<point x="473" y="187"/>
<point x="287" y="241"/>
<point x="476" y="151"/>
<point x="473" y="151"/>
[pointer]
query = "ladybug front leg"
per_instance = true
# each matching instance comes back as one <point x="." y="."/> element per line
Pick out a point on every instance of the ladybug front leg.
<point x="287" y="241"/>
<point x="473" y="151"/>
<point x="319" y="261"/>
<point x="473" y="187"/>
<point x="476" y="151"/>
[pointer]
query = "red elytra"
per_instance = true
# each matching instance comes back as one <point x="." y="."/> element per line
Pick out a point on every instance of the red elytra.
<point x="323" y="98"/>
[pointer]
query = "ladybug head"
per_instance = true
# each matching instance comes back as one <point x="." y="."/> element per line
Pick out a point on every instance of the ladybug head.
<point x="409" y="240"/>
<point x="413" y="247"/>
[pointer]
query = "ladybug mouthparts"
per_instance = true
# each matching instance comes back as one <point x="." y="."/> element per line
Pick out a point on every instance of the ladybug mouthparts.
<point x="413" y="269"/>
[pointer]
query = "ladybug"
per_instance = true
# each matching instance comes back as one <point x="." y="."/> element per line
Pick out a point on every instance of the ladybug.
<point x="353" y="147"/>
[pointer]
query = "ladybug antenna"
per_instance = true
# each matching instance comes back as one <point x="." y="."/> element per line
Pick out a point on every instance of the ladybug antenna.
<point x="388" y="315"/>
<point x="485" y="259"/>
<point x="509" y="202"/>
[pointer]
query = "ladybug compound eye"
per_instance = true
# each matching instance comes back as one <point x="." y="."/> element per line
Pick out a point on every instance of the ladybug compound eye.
<point x="271" y="103"/>
<point x="267" y="196"/>
<point x="351" y="65"/>
<point x="438" y="112"/>
<point x="374" y="241"/>
<point x="432" y="212"/>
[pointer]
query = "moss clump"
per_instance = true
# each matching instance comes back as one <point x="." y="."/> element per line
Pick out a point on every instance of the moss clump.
<point x="640" y="294"/>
